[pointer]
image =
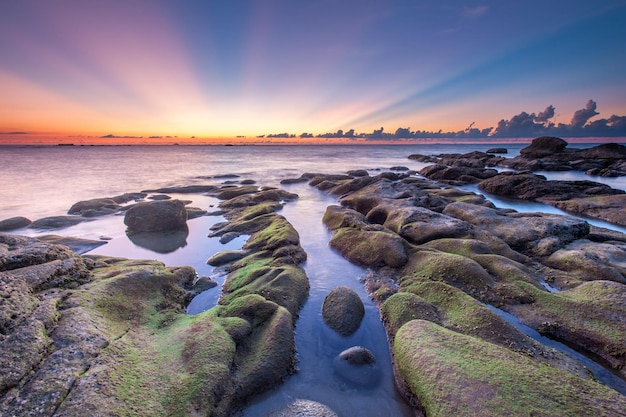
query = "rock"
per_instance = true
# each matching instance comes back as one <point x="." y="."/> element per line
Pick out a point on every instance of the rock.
<point x="605" y="151"/>
<point x="527" y="186"/>
<point x="373" y="247"/>
<point x="588" y="317"/>
<point x="226" y="256"/>
<point x="357" y="365"/>
<point x="304" y="408"/>
<point x="456" y="174"/>
<point x="591" y="261"/>
<point x="343" y="310"/>
<point x="95" y="207"/>
<point x="77" y="245"/>
<point x="492" y="380"/>
<point x="20" y="251"/>
<point x="419" y="225"/>
<point x="204" y="283"/>
<point x="497" y="150"/>
<point x="195" y="212"/>
<point x="543" y="146"/>
<point x="358" y="173"/>
<point x="533" y="233"/>
<point x="14" y="223"/>
<point x="187" y="189"/>
<point x="610" y="208"/>
<point x="156" y="216"/>
<point x="159" y="197"/>
<point x="56" y="222"/>
<point x="357" y="355"/>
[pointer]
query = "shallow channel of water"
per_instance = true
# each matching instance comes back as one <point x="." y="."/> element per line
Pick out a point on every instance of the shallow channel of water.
<point x="316" y="343"/>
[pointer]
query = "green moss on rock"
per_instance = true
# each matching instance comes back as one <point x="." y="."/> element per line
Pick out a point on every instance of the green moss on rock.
<point x="456" y="375"/>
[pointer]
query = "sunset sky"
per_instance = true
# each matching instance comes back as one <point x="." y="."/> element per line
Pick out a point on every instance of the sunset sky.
<point x="228" y="68"/>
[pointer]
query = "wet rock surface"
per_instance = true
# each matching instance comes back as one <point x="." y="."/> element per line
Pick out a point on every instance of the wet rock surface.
<point x="82" y="334"/>
<point x="479" y="255"/>
<point x="343" y="310"/>
<point x="586" y="198"/>
<point x="156" y="216"/>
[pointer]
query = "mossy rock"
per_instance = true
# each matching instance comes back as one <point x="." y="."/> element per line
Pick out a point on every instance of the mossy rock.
<point x="226" y="256"/>
<point x="279" y="232"/>
<point x="456" y="270"/>
<point x="462" y="313"/>
<point x="457" y="375"/>
<point x="267" y="357"/>
<point x="403" y="307"/>
<point x="370" y="247"/>
<point x="286" y="285"/>
<point x="590" y="317"/>
<point x="336" y="217"/>
<point x="591" y="261"/>
<point x="343" y="310"/>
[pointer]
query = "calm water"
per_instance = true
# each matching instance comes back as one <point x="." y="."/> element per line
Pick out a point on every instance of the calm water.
<point x="45" y="181"/>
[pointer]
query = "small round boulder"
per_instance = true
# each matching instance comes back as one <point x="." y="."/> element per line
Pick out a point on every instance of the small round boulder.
<point x="156" y="216"/>
<point x="304" y="408"/>
<point x="343" y="310"/>
<point x="357" y="365"/>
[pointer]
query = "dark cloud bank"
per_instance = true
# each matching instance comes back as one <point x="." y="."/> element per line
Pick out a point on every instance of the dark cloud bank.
<point x="523" y="125"/>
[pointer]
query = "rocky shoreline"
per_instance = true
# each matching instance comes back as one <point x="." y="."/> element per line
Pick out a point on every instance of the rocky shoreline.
<point x="85" y="333"/>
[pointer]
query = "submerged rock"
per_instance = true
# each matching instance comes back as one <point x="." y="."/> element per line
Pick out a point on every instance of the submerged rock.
<point x="304" y="408"/>
<point x="56" y="222"/>
<point x="357" y="365"/>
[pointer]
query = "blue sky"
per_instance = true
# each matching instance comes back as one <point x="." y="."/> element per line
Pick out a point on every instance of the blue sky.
<point x="226" y="68"/>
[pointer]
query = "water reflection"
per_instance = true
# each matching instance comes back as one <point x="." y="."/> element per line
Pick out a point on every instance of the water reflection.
<point x="160" y="242"/>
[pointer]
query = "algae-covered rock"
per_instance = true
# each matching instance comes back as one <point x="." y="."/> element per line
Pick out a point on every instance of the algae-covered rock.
<point x="403" y="307"/>
<point x="456" y="375"/>
<point x="455" y="270"/>
<point x="370" y="247"/>
<point x="343" y="310"/>
<point x="589" y="316"/>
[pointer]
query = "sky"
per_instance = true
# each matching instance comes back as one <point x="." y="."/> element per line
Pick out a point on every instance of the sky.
<point x="207" y="69"/>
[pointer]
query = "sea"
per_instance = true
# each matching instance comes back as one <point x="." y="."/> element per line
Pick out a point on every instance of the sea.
<point x="44" y="181"/>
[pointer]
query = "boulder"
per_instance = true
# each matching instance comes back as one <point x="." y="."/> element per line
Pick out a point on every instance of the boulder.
<point x="14" y="223"/>
<point x="304" y="408"/>
<point x="156" y="216"/>
<point x="343" y="310"/>
<point x="56" y="222"/>
<point x="543" y="146"/>
<point x="497" y="150"/>
<point x="95" y="207"/>
<point x="357" y="365"/>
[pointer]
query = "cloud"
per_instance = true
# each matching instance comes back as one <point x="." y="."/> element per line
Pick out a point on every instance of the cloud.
<point x="112" y="136"/>
<point x="545" y="115"/>
<point x="582" y="116"/>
